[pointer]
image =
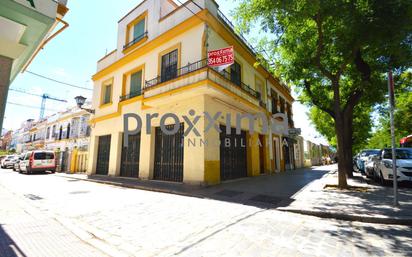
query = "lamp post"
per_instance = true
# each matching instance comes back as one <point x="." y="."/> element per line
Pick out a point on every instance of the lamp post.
<point x="80" y="100"/>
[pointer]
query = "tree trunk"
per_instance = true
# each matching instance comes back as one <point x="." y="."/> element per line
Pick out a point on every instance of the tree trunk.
<point x="348" y="142"/>
<point x="344" y="134"/>
<point x="342" y="160"/>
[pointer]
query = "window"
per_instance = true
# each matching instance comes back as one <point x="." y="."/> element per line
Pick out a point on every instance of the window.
<point x="60" y="133"/>
<point x="236" y="74"/>
<point x="259" y="88"/>
<point x="401" y="154"/>
<point x="43" y="156"/>
<point x="136" y="83"/>
<point x="48" y="133"/>
<point x="54" y="132"/>
<point x="138" y="30"/>
<point x="169" y="66"/>
<point x="107" y="94"/>
<point x="282" y="105"/>
<point x="289" y="110"/>
<point x="68" y="131"/>
<point x="136" y="33"/>
<point x="275" y="98"/>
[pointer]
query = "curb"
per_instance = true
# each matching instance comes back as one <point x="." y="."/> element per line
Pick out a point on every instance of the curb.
<point x="117" y="184"/>
<point x="349" y="217"/>
<point x="320" y="214"/>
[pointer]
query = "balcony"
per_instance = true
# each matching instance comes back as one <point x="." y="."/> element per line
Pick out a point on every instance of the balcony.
<point x="196" y="72"/>
<point x="231" y="27"/>
<point x="135" y="41"/>
<point x="130" y="96"/>
<point x="191" y="67"/>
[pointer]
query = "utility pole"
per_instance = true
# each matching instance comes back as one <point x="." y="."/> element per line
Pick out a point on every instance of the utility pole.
<point x="391" y="89"/>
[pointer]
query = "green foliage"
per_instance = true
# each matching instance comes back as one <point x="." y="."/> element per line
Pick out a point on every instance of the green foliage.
<point x="403" y="115"/>
<point x="379" y="30"/>
<point x="5" y="152"/>
<point x="362" y="124"/>
<point x="336" y="52"/>
<point x="324" y="124"/>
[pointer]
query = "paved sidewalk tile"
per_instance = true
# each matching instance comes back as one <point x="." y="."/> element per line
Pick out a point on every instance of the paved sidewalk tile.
<point x="144" y="223"/>
<point x="25" y="232"/>
<point x="375" y="202"/>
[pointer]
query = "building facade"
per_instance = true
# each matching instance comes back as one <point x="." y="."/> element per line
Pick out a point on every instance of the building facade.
<point x="159" y="72"/>
<point x="5" y="140"/>
<point x="26" y="26"/>
<point x="68" y="130"/>
<point x="60" y="132"/>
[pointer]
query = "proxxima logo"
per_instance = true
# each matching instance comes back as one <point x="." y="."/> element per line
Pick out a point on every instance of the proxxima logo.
<point x="278" y="124"/>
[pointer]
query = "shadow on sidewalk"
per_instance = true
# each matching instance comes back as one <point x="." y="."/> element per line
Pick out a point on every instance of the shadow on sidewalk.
<point x="368" y="238"/>
<point x="265" y="191"/>
<point x="8" y="247"/>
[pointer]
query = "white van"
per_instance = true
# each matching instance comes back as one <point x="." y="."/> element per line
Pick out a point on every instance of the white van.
<point x="38" y="161"/>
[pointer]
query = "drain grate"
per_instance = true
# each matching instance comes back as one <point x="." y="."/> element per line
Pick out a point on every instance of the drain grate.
<point x="229" y="193"/>
<point x="72" y="180"/>
<point x="266" y="199"/>
<point x="33" y="197"/>
<point x="79" y="192"/>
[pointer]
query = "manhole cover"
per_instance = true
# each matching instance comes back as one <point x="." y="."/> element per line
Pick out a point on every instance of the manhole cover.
<point x="229" y="193"/>
<point x="79" y="192"/>
<point x="33" y="197"/>
<point x="266" y="199"/>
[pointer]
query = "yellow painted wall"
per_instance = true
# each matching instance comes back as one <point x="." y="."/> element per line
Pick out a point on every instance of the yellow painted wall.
<point x="191" y="45"/>
<point x="201" y="163"/>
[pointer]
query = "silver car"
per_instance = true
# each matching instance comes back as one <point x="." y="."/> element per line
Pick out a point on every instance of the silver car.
<point x="8" y="162"/>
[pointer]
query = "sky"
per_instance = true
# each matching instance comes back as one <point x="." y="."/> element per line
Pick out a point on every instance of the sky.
<point x="71" y="57"/>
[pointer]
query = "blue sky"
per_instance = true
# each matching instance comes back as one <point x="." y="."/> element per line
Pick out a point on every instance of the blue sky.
<point x="71" y="57"/>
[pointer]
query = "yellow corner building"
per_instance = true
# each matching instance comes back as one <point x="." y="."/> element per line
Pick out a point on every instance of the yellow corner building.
<point x="160" y="66"/>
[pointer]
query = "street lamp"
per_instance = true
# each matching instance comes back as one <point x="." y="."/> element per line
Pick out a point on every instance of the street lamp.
<point x="80" y="100"/>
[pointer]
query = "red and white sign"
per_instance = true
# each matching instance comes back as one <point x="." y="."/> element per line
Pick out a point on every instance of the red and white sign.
<point x="221" y="57"/>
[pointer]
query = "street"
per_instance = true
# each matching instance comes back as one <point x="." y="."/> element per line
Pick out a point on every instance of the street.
<point x="132" y="222"/>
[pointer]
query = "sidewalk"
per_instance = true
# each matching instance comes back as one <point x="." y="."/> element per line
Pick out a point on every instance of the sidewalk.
<point x="25" y="231"/>
<point x="301" y="191"/>
<point x="128" y="222"/>
<point x="374" y="204"/>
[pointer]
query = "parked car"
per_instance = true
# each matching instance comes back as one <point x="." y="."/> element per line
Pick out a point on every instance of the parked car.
<point x="362" y="157"/>
<point x="370" y="165"/>
<point x="8" y="162"/>
<point x="38" y="161"/>
<point x="17" y="163"/>
<point x="403" y="165"/>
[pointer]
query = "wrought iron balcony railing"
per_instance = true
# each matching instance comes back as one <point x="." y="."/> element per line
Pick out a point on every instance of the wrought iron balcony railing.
<point x="130" y="95"/>
<point x="230" y="25"/>
<point x="242" y="85"/>
<point x="192" y="67"/>
<point x="134" y="41"/>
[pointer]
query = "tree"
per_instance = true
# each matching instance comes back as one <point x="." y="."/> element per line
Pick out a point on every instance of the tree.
<point x="362" y="126"/>
<point x="335" y="52"/>
<point x="403" y="114"/>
